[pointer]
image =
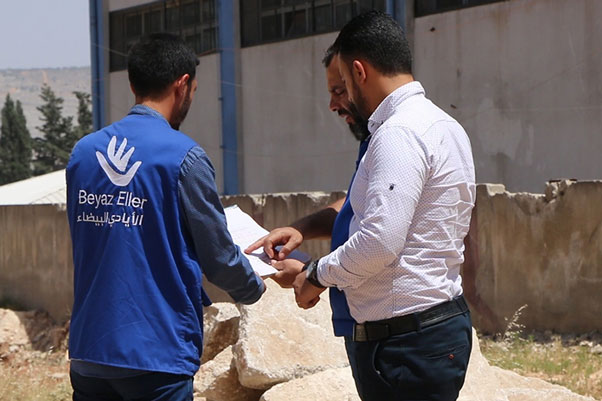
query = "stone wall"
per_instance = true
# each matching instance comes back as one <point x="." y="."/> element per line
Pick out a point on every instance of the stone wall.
<point x="543" y="251"/>
<point x="36" y="265"/>
<point x="36" y="259"/>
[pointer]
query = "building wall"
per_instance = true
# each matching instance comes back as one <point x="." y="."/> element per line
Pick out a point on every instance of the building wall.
<point x="203" y="122"/>
<point x="291" y="141"/>
<point x="288" y="139"/>
<point x="523" y="78"/>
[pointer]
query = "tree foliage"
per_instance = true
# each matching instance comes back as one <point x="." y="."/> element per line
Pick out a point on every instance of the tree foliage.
<point x="59" y="133"/>
<point x="84" y="113"/>
<point x="15" y="143"/>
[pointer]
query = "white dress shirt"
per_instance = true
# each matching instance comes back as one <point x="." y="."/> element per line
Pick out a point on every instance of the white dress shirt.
<point x="412" y="198"/>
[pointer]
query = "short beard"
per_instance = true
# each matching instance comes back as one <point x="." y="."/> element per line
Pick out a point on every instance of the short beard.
<point x="359" y="128"/>
<point x="183" y="110"/>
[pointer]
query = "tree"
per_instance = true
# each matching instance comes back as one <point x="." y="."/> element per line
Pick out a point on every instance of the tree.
<point x="15" y="143"/>
<point x="53" y="149"/>
<point x="84" y="114"/>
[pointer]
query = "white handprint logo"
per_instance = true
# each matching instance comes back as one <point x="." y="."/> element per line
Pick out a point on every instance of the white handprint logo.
<point x="120" y="161"/>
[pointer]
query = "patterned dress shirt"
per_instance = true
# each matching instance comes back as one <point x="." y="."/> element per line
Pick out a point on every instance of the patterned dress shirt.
<point x="412" y="198"/>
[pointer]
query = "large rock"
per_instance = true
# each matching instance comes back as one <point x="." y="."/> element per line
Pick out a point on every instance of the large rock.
<point x="30" y="329"/>
<point x="12" y="329"/>
<point x="490" y="383"/>
<point x="220" y="324"/>
<point x="217" y="380"/>
<point x="279" y="342"/>
<point x="331" y="385"/>
<point x="483" y="383"/>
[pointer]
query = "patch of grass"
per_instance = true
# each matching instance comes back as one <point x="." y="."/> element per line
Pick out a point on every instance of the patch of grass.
<point x="564" y="360"/>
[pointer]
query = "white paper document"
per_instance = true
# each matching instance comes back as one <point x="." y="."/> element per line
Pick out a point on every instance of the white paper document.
<point x="244" y="231"/>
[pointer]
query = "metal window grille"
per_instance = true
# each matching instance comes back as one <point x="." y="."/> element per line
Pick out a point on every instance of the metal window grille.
<point x="264" y="21"/>
<point x="194" y="20"/>
<point x="427" y="7"/>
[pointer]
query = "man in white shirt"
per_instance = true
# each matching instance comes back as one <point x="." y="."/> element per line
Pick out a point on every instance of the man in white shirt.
<point x="411" y="197"/>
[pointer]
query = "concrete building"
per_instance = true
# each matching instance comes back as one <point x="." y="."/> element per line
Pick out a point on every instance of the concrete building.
<point x="521" y="76"/>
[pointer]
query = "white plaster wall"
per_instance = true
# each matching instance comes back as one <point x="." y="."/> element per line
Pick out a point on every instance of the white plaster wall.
<point x="523" y="78"/>
<point x="203" y="122"/>
<point x="291" y="141"/>
<point x="120" y="98"/>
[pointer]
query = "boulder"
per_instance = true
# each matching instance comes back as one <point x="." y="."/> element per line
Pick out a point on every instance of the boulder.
<point x="31" y="329"/>
<point x="331" y="385"/>
<point x="483" y="383"/>
<point x="220" y="325"/>
<point x="217" y="380"/>
<point x="12" y="328"/>
<point x="279" y="342"/>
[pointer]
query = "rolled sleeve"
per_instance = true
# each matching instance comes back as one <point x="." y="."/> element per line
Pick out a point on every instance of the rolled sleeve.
<point x="221" y="260"/>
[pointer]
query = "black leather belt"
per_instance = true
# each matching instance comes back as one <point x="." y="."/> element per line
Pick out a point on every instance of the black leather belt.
<point x="374" y="331"/>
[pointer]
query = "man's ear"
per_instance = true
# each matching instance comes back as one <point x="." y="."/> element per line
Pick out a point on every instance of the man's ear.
<point x="359" y="71"/>
<point x="182" y="84"/>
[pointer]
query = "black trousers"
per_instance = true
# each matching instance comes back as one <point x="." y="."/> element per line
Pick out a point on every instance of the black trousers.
<point x="152" y="386"/>
<point x="428" y="364"/>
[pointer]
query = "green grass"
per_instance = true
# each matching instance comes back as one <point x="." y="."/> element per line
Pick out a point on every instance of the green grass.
<point x="556" y="359"/>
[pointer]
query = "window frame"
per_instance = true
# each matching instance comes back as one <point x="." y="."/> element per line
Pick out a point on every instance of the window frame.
<point x="423" y="8"/>
<point x="171" y="19"/>
<point x="254" y="13"/>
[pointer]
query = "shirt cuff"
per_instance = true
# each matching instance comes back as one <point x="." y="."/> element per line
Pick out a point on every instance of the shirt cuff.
<point x="322" y="272"/>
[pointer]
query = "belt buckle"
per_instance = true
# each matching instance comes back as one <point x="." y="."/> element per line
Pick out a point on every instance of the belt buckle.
<point x="360" y="333"/>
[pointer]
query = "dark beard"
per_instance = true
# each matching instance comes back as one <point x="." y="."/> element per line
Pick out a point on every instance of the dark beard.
<point x="359" y="131"/>
<point x="183" y="111"/>
<point x="359" y="128"/>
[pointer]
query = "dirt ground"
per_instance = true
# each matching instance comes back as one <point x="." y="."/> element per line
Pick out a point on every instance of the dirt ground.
<point x="33" y="357"/>
<point x="34" y="362"/>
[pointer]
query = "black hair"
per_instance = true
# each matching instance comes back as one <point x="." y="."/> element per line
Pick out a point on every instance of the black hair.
<point x="377" y="38"/>
<point x="157" y="61"/>
<point x="328" y="56"/>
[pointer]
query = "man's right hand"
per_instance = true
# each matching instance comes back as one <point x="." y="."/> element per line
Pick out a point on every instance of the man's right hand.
<point x="289" y="237"/>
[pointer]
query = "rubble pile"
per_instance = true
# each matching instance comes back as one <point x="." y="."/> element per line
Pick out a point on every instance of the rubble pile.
<point x="274" y="351"/>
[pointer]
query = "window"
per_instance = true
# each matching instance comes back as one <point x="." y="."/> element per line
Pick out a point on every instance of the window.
<point x="194" y="20"/>
<point x="273" y="20"/>
<point x="426" y="7"/>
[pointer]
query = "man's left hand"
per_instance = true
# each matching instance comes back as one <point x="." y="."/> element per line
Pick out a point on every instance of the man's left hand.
<point x="307" y="295"/>
<point x="288" y="270"/>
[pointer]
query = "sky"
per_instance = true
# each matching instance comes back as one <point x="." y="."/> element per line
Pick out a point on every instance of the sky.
<point x="44" y="33"/>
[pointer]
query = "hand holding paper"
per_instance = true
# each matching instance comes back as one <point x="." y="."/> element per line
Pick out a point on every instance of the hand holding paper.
<point x="279" y="243"/>
<point x="245" y="232"/>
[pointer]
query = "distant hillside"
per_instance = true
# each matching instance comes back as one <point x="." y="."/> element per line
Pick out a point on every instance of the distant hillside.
<point x="25" y="85"/>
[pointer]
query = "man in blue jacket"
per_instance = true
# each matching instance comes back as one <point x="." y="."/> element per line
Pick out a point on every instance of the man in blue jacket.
<point x="146" y="224"/>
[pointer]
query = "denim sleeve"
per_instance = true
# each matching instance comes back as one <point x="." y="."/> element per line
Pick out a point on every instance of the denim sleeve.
<point x="221" y="260"/>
